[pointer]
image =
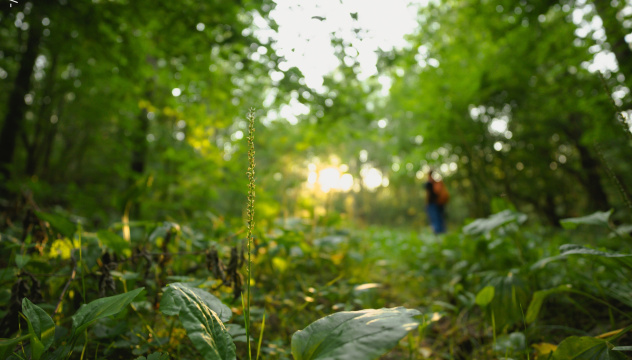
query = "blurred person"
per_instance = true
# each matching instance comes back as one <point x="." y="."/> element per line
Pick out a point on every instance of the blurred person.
<point x="437" y="197"/>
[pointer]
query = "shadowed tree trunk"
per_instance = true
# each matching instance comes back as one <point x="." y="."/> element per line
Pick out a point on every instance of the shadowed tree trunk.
<point x="590" y="178"/>
<point x="14" y="118"/>
<point x="597" y="195"/>
<point x="37" y="145"/>
<point x="549" y="211"/>
<point x="139" y="145"/>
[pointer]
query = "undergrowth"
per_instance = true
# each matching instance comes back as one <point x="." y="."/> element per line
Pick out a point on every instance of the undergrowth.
<point x="498" y="288"/>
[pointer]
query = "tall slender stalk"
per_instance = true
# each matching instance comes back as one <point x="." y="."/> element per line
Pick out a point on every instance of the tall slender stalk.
<point x="81" y="268"/>
<point x="250" y="218"/>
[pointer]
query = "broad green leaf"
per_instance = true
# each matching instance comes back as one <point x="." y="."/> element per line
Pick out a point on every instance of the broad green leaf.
<point x="155" y="356"/>
<point x="238" y="332"/>
<point x="586" y="348"/>
<point x="572" y="249"/>
<point x="100" y="308"/>
<point x="538" y="299"/>
<point x="115" y="242"/>
<point x="485" y="296"/>
<point x="201" y="315"/>
<point x="64" y="226"/>
<point x="22" y="260"/>
<point x="41" y="328"/>
<point x="543" y="262"/>
<point x="211" y="301"/>
<point x="364" y="334"/>
<point x="623" y="230"/>
<point x="597" y="218"/>
<point x="486" y="225"/>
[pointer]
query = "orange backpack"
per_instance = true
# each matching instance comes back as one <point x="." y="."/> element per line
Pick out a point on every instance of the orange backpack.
<point x="443" y="196"/>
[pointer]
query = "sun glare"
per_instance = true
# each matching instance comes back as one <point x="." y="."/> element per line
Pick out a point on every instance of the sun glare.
<point x="330" y="178"/>
<point x="372" y="178"/>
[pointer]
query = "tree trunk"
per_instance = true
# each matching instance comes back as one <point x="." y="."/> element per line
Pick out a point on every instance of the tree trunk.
<point x="139" y="145"/>
<point x="590" y="165"/>
<point x="43" y="127"/>
<point x="14" y="118"/>
<point x="549" y="211"/>
<point x="596" y="193"/>
<point x="50" y="139"/>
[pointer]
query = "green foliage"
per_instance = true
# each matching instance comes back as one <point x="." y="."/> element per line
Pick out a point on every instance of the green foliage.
<point x="365" y="334"/>
<point x="154" y="356"/>
<point x="495" y="297"/>
<point x="59" y="223"/>
<point x="131" y="125"/>
<point x="41" y="328"/>
<point x="115" y="242"/>
<point x="511" y="297"/>
<point x="100" y="308"/>
<point x="202" y="315"/>
<point x="177" y="295"/>
<point x="586" y="348"/>
<point x="538" y="298"/>
<point x="485" y="226"/>
<point x="599" y="218"/>
<point x="485" y="296"/>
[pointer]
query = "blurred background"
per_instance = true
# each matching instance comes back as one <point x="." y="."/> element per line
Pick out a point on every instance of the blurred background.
<point x="115" y="108"/>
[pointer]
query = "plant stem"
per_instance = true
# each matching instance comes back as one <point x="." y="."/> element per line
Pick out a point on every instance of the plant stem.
<point x="250" y="215"/>
<point x="72" y="277"/>
<point x="83" y="281"/>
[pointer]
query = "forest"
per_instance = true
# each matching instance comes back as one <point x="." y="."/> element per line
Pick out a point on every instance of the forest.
<point x="223" y="180"/>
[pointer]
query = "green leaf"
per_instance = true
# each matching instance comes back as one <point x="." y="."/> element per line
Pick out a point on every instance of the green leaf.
<point x="161" y="231"/>
<point x="622" y="348"/>
<point x="586" y="348"/>
<point x="538" y="299"/>
<point x="572" y="249"/>
<point x="202" y="316"/>
<point x="543" y="262"/>
<point x="364" y="334"/>
<point x="22" y="260"/>
<point x="64" y="226"/>
<point x="155" y="356"/>
<point x="100" y="308"/>
<point x="115" y="242"/>
<point x="485" y="296"/>
<point x="41" y="328"/>
<point x="486" y="225"/>
<point x="623" y="230"/>
<point x="597" y="218"/>
<point x="238" y="332"/>
<point x="211" y="301"/>
<point x="511" y="296"/>
<point x="510" y="343"/>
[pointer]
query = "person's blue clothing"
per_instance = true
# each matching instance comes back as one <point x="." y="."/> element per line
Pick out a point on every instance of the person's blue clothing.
<point x="436" y="216"/>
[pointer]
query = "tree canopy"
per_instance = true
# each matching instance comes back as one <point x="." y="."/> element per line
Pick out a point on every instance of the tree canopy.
<point x="116" y="107"/>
